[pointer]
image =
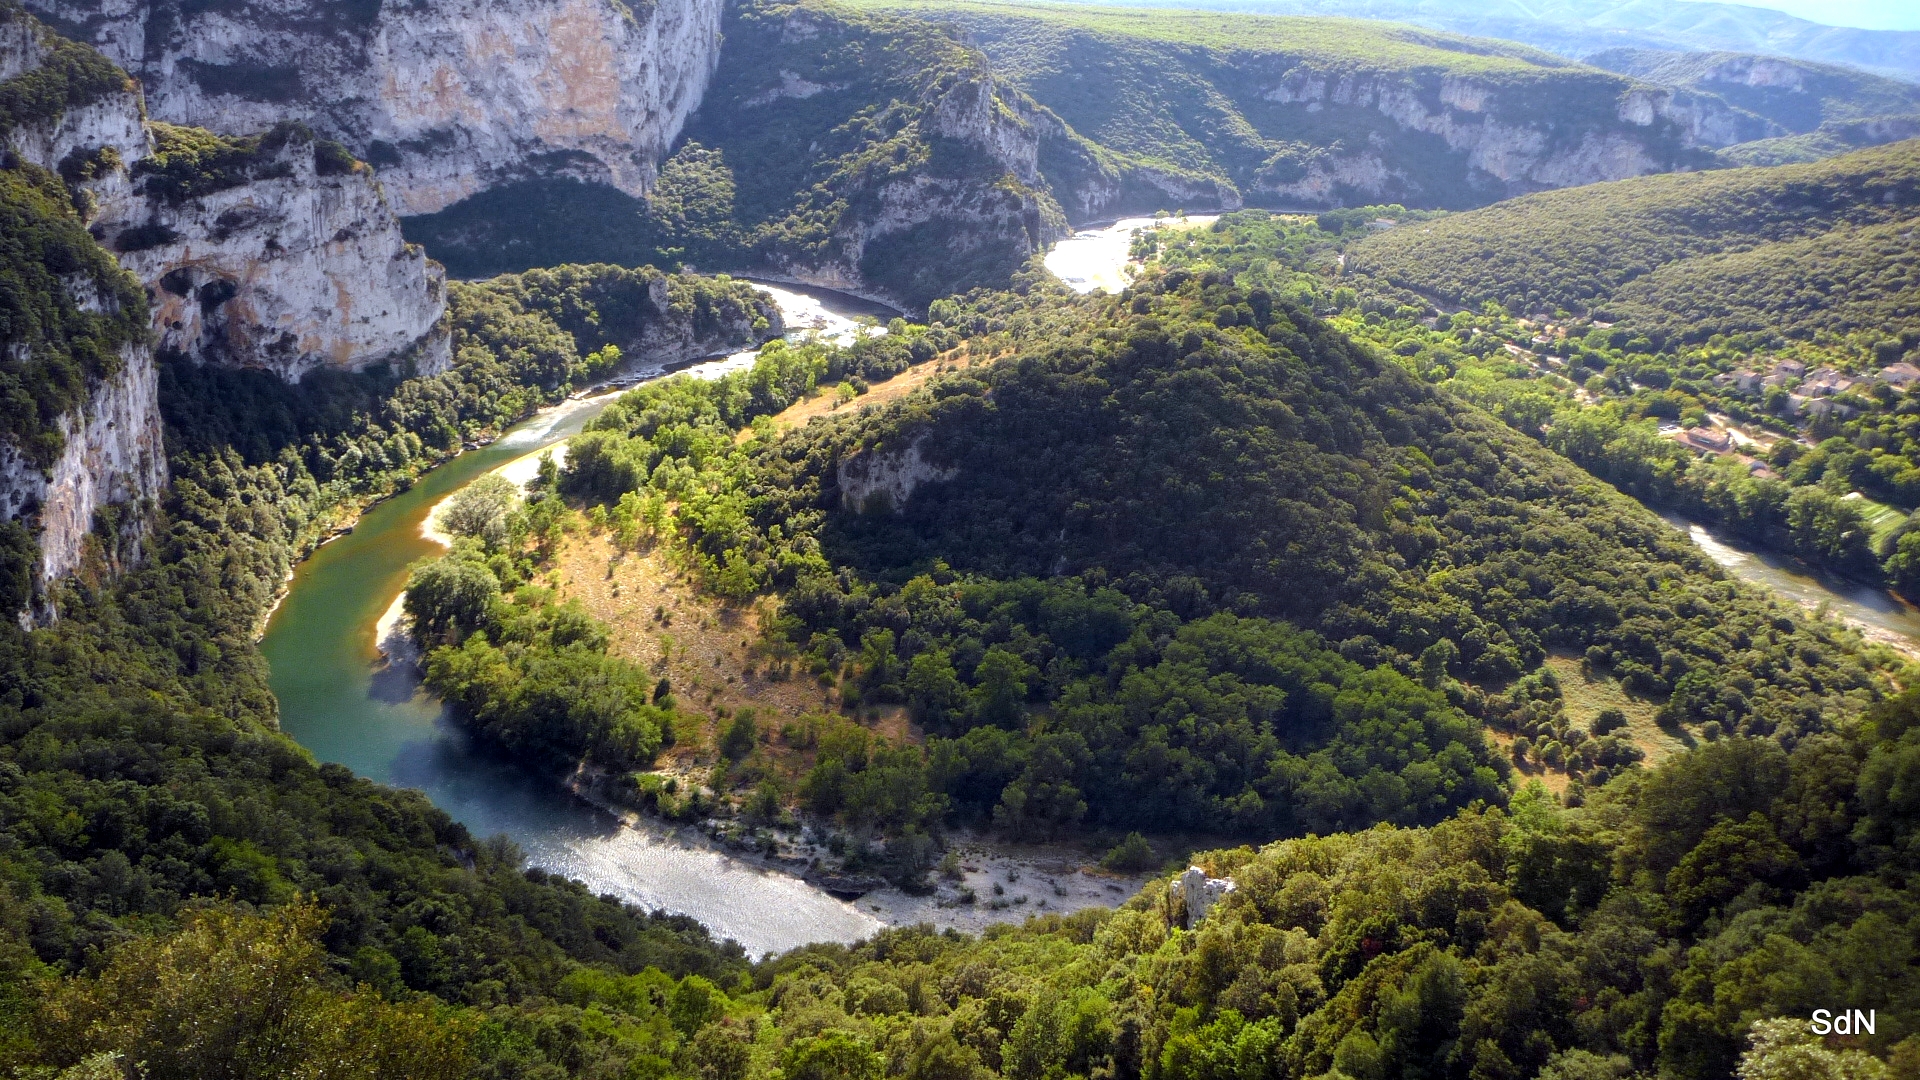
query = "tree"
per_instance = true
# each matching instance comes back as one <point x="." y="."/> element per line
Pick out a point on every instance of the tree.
<point x="480" y="509"/>
<point x="1000" y="693"/>
<point x="1785" y="1049"/>
<point x="230" y="996"/>
<point x="835" y="1055"/>
<point x="449" y="598"/>
<point x="933" y="688"/>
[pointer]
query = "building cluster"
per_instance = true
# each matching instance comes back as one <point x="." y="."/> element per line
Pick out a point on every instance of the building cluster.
<point x="1812" y="393"/>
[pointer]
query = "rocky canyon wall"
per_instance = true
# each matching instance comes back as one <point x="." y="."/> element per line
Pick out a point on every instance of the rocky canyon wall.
<point x="277" y="251"/>
<point x="445" y="98"/>
<point x="292" y="261"/>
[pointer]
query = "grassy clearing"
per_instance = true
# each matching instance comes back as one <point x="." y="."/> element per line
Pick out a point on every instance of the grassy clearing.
<point x="1588" y="692"/>
<point x="705" y="648"/>
<point x="825" y="403"/>
<point x="1882" y="519"/>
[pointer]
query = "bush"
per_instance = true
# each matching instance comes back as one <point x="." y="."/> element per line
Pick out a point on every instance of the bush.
<point x="1130" y="856"/>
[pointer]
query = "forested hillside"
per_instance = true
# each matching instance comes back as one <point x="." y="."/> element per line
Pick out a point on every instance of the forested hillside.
<point x="1084" y="651"/>
<point x="1266" y="550"/>
<point x="1081" y="597"/>
<point x="1182" y="557"/>
<point x="1685" y="256"/>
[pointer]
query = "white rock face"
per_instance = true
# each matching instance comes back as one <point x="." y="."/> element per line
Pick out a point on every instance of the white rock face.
<point x="293" y="271"/>
<point x="112" y="448"/>
<point x="1506" y="157"/>
<point x="113" y="454"/>
<point x="447" y="98"/>
<point x="20" y="50"/>
<point x="883" y="481"/>
<point x="1198" y="893"/>
<point x="288" y="272"/>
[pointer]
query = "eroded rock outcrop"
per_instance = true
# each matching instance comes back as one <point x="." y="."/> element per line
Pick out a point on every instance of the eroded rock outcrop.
<point x="1000" y="208"/>
<point x="447" y="99"/>
<point x="278" y="251"/>
<point x="112" y="455"/>
<point x="1508" y="146"/>
<point x="881" y="481"/>
<point x="287" y="259"/>
<point x="1196" y="893"/>
<point x="89" y="435"/>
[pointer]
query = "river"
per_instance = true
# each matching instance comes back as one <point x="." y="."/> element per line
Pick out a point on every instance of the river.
<point x="342" y="701"/>
<point x="1096" y="257"/>
<point x="1875" y="612"/>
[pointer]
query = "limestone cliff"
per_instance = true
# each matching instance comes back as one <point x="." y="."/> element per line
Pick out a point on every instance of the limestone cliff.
<point x="447" y="98"/>
<point x="82" y="425"/>
<point x="286" y="257"/>
<point x="873" y="155"/>
<point x="1504" y="141"/>
<point x="276" y="251"/>
<point x="112" y="454"/>
<point x="881" y="481"/>
<point x="1213" y="110"/>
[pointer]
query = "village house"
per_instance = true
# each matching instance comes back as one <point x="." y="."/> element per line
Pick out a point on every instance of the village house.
<point x="1793" y="369"/>
<point x="1902" y="375"/>
<point x="1712" y="440"/>
<point x="1746" y="380"/>
<point x="1824" y="407"/>
<point x="1775" y="380"/>
<point x="1827" y="382"/>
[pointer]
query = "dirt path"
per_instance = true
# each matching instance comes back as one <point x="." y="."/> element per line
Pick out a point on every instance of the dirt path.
<point x="825" y="403"/>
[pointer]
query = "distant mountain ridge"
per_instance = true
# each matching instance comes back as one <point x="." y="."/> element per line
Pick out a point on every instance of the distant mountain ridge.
<point x="1579" y="28"/>
<point x="1799" y="95"/>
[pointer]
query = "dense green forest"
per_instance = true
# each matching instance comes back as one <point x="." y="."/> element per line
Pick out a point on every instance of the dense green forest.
<point x="147" y="799"/>
<point x="1185" y="557"/>
<point x="163" y="835"/>
<point x="1255" y="549"/>
<point x="1834" y="489"/>
<point x="220" y="904"/>
<point x="1643" y="932"/>
<point x="1649" y="246"/>
<point x="1663" y="304"/>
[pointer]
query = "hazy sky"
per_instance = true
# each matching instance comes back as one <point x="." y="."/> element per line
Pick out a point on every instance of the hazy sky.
<point x="1870" y="14"/>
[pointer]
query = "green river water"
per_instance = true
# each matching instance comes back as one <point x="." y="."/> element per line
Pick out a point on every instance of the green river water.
<point x="342" y="700"/>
